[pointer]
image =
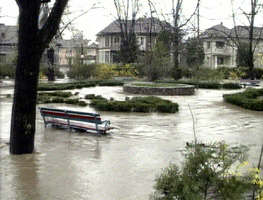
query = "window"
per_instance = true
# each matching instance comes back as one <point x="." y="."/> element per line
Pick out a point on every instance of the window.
<point x="220" y="44"/>
<point x="3" y="35"/>
<point x="208" y="44"/>
<point x="142" y="41"/>
<point x="107" y="41"/>
<point x="107" y="57"/>
<point x="220" y="60"/>
<point x="116" y="40"/>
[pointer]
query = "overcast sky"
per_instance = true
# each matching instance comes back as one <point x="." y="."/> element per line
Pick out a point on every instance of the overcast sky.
<point x="212" y="12"/>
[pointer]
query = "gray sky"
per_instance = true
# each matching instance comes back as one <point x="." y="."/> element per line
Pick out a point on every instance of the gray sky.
<point x="212" y="12"/>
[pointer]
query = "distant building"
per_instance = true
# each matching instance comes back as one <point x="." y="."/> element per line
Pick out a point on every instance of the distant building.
<point x="220" y="45"/>
<point x="8" y="43"/>
<point x="109" y="39"/>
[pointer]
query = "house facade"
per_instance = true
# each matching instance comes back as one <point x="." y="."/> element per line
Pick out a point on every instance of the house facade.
<point x="8" y="43"/>
<point x="220" y="45"/>
<point x="109" y="39"/>
<point x="218" y="48"/>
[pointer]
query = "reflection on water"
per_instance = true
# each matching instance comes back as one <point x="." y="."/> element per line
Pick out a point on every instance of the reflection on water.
<point x="123" y="165"/>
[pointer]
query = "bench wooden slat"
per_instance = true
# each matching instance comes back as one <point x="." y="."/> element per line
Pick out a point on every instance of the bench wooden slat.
<point x="70" y="116"/>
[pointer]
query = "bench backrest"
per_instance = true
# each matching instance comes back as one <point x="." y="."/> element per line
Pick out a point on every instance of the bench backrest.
<point x="71" y="115"/>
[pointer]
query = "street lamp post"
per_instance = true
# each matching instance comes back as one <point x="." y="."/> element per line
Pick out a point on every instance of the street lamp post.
<point x="82" y="54"/>
<point x="51" y="60"/>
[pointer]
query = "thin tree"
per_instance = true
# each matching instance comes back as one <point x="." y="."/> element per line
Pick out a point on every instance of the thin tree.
<point x="254" y="35"/>
<point x="126" y="19"/>
<point x="178" y="25"/>
<point x="32" y="41"/>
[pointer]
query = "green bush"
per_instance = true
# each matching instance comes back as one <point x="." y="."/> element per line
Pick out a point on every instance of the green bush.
<point x="209" y="85"/>
<point x="136" y="104"/>
<point x="65" y="86"/>
<point x="249" y="99"/>
<point x="110" y="83"/>
<point x="206" y="84"/>
<point x="56" y="94"/>
<point x="167" y="108"/>
<point x="59" y="97"/>
<point x="231" y="86"/>
<point x="7" y="70"/>
<point x="81" y="72"/>
<point x="76" y="85"/>
<point x="142" y="107"/>
<point x="205" y="174"/>
<point x="82" y="103"/>
<point x="44" y="71"/>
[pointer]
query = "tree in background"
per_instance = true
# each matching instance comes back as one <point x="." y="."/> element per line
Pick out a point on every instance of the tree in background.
<point x="194" y="53"/>
<point x="178" y="24"/>
<point x="32" y="41"/>
<point x="254" y="34"/>
<point x="242" y="57"/>
<point x="126" y="18"/>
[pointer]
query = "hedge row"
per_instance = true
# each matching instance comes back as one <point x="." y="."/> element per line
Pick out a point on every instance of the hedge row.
<point x="76" y="85"/>
<point x="208" y="85"/>
<point x="136" y="104"/>
<point x="249" y="99"/>
<point x="59" y="97"/>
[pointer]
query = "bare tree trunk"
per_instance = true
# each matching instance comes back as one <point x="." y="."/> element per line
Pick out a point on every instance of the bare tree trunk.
<point x="251" y="38"/>
<point x="31" y="44"/>
<point x="29" y="54"/>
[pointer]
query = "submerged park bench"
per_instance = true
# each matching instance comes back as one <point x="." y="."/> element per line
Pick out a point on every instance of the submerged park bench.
<point x="89" y="122"/>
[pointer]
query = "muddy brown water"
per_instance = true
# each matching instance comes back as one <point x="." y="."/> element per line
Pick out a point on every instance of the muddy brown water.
<point x="124" y="164"/>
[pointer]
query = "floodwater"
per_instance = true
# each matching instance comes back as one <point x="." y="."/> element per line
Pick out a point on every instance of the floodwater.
<point x="124" y="164"/>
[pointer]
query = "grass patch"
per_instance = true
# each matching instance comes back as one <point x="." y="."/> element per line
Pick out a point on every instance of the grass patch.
<point x="136" y="104"/>
<point x="249" y="99"/>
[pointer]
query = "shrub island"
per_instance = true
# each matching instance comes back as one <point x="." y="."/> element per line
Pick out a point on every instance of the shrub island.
<point x="249" y="99"/>
<point x="135" y="104"/>
<point x="59" y="97"/>
<point x="207" y="84"/>
<point x="77" y="85"/>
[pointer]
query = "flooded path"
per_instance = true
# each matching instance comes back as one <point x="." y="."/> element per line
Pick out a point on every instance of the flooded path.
<point x="124" y="164"/>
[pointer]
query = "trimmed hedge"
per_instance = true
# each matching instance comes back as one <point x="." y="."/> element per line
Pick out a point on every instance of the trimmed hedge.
<point x="249" y="99"/>
<point x="136" y="104"/>
<point x="59" y="97"/>
<point x="76" y="85"/>
<point x="207" y="84"/>
<point x="56" y="94"/>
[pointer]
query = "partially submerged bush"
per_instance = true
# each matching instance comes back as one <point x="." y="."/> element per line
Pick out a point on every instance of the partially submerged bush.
<point x="207" y="84"/>
<point x="208" y="172"/>
<point x="76" y="85"/>
<point x="7" y="70"/>
<point x="56" y="94"/>
<point x="136" y="104"/>
<point x="231" y="86"/>
<point x="59" y="97"/>
<point x="110" y="83"/>
<point x="249" y="99"/>
<point x="44" y="71"/>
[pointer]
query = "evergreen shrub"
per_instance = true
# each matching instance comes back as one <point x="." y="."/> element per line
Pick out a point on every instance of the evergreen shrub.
<point x="249" y="99"/>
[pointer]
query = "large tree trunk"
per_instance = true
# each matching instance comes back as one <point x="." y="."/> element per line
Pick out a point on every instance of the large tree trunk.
<point x="31" y="44"/>
<point x="25" y="93"/>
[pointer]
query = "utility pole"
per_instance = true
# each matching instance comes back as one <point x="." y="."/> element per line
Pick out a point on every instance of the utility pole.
<point x="198" y="19"/>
